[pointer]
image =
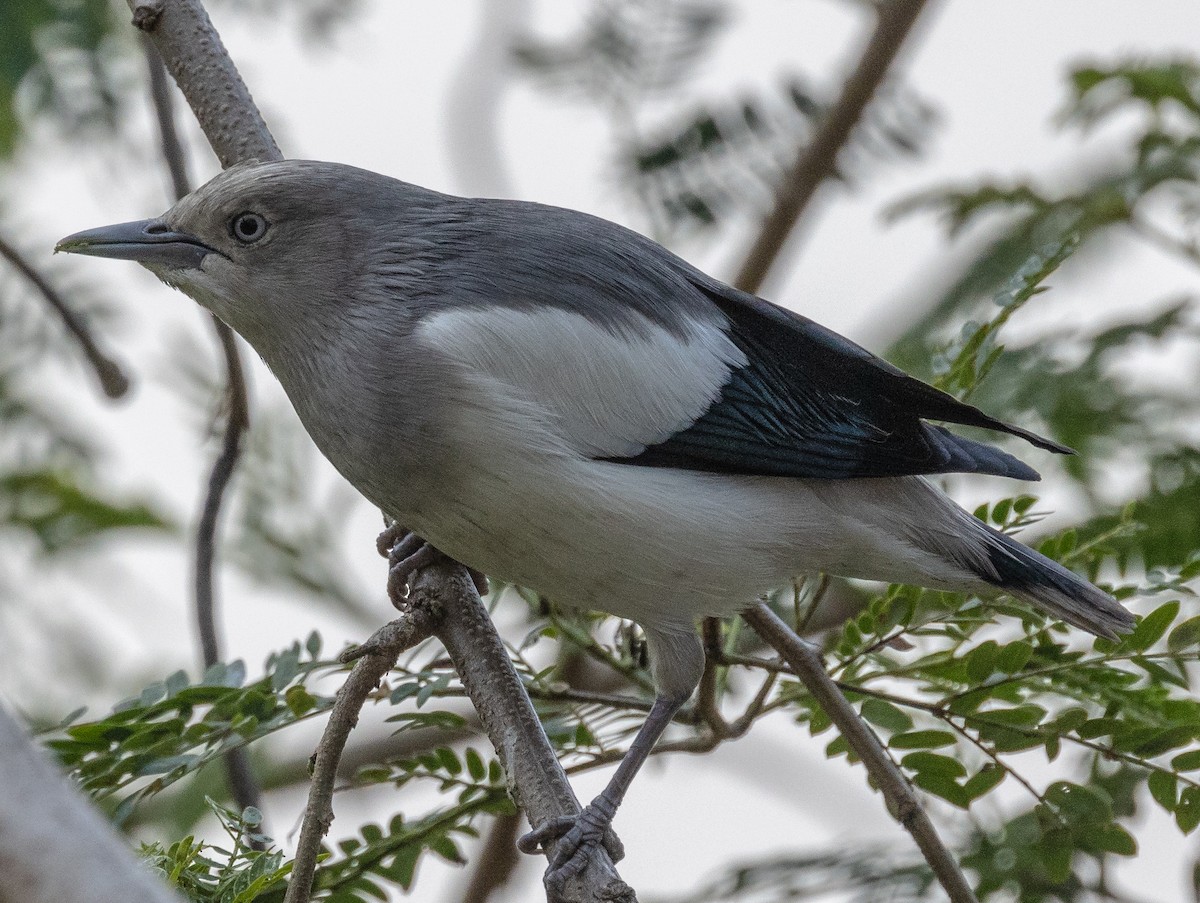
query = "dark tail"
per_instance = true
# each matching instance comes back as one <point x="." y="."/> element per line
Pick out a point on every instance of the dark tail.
<point x="1046" y="584"/>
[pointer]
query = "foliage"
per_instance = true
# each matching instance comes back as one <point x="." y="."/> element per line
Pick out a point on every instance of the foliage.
<point x="174" y="727"/>
<point x="693" y="169"/>
<point x="240" y="874"/>
<point x="57" y="60"/>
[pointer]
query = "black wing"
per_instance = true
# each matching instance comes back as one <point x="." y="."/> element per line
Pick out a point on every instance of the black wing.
<point x="812" y="404"/>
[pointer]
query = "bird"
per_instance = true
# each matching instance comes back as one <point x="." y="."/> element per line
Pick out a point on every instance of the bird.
<point x="562" y="403"/>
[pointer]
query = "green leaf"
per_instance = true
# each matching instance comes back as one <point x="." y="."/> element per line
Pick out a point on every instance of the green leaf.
<point x="1014" y="657"/>
<point x="1164" y="788"/>
<point x="928" y="739"/>
<point x="1078" y="803"/>
<point x="1028" y="715"/>
<point x="447" y="849"/>
<point x="981" y="661"/>
<point x="1056" y="849"/>
<point x="299" y="700"/>
<point x="404" y="864"/>
<point x="942" y="786"/>
<point x="1188" y="761"/>
<point x="934" y="763"/>
<point x="1187" y="812"/>
<point x="883" y="714"/>
<point x="475" y="764"/>
<point x="838" y="746"/>
<point x="1111" y="838"/>
<point x="444" y="720"/>
<point x="987" y="778"/>
<point x="60" y="512"/>
<point x="1151" y="628"/>
<point x="449" y="760"/>
<point x="1185" y="635"/>
<point x="1166" y="740"/>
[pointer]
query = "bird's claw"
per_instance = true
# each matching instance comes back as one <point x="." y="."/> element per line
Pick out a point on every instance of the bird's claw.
<point x="576" y="836"/>
<point x="407" y="553"/>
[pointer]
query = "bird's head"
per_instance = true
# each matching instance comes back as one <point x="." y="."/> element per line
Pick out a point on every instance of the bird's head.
<point x="265" y="245"/>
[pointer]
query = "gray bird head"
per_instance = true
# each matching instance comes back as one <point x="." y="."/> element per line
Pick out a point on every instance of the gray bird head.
<point x="263" y="245"/>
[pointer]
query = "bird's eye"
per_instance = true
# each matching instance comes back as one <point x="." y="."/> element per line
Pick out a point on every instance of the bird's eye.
<point x="248" y="227"/>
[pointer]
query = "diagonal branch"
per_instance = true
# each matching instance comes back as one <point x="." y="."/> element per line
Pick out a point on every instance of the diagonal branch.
<point x="242" y="783"/>
<point x="818" y="160"/>
<point x="809" y="667"/>
<point x="112" y="379"/>
<point x="536" y="778"/>
<point x="374" y="659"/>
<point x="198" y="61"/>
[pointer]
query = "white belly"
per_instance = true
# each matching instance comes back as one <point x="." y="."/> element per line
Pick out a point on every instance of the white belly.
<point x="661" y="546"/>
<point x="664" y="546"/>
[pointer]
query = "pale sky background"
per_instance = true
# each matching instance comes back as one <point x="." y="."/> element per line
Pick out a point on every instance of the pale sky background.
<point x="380" y="96"/>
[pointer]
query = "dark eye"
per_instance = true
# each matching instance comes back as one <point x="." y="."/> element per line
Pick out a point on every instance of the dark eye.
<point x="248" y="227"/>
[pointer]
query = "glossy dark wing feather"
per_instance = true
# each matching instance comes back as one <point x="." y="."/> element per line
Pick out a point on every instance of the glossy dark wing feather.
<point x="813" y="404"/>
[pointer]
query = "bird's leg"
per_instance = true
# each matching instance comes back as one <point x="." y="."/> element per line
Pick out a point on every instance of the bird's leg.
<point x="578" y="835"/>
<point x="407" y="553"/>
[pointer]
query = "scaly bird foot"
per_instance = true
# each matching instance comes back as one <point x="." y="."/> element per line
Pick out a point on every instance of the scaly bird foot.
<point x="407" y="553"/>
<point x="577" y="837"/>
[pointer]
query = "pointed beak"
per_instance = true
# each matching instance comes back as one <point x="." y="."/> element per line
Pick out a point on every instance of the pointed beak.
<point x="149" y="241"/>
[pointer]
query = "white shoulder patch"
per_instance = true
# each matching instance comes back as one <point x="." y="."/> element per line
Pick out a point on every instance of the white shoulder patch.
<point x="610" y="395"/>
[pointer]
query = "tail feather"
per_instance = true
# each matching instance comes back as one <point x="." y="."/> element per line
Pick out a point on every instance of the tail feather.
<point x="965" y="455"/>
<point x="1046" y="584"/>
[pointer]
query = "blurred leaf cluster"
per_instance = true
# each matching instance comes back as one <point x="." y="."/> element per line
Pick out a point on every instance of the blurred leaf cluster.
<point x="60" y="60"/>
<point x="691" y="169"/>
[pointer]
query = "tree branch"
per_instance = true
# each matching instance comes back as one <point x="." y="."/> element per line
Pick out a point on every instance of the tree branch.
<point x="496" y="861"/>
<point x="374" y="659"/>
<point x="818" y="160"/>
<point x="816" y="163"/>
<point x="809" y="667"/>
<point x="112" y="379"/>
<point x="54" y="846"/>
<point x="198" y="61"/>
<point x="242" y="784"/>
<point x="536" y="778"/>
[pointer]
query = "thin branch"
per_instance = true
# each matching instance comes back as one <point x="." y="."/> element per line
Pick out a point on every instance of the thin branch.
<point x="809" y="666"/>
<point x="496" y="861"/>
<point x="818" y="593"/>
<point x="113" y="380"/>
<point x="218" y="480"/>
<point x="992" y="755"/>
<point x="164" y="111"/>
<point x="818" y="160"/>
<point x="756" y="707"/>
<point x="586" y="643"/>
<point x="374" y="659"/>
<point x="242" y="784"/>
<point x="707" y="694"/>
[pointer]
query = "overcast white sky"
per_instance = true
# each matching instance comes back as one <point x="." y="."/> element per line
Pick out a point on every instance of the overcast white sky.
<point x="379" y="98"/>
